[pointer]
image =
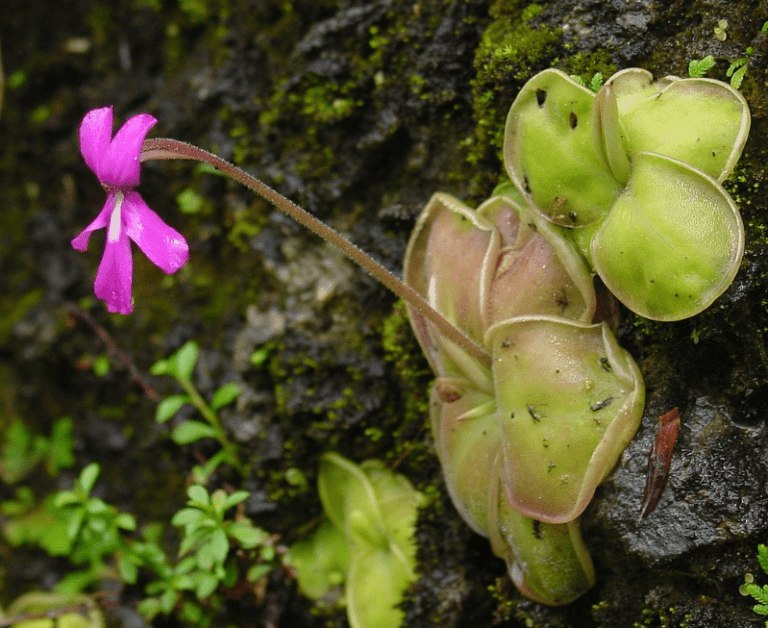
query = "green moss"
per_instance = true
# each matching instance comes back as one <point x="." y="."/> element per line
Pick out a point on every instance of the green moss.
<point x="512" y="49"/>
<point x="586" y="65"/>
<point x="403" y="352"/>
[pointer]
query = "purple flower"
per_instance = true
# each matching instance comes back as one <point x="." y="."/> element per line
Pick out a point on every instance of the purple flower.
<point x="115" y="161"/>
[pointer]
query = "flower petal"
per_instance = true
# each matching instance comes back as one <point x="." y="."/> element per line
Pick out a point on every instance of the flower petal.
<point x="95" y="133"/>
<point x="164" y="246"/>
<point x="80" y="242"/>
<point x="120" y="166"/>
<point x="115" y="276"/>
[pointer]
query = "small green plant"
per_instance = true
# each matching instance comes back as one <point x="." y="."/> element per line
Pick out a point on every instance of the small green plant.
<point x="697" y="68"/>
<point x="366" y="542"/>
<point x="207" y="557"/>
<point x="216" y="550"/>
<point x="721" y="30"/>
<point x="758" y="593"/>
<point x="595" y="83"/>
<point x="95" y="531"/>
<point x="22" y="450"/>
<point x="180" y="366"/>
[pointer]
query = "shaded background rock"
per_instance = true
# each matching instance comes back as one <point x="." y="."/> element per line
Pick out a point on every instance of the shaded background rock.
<point x="359" y="111"/>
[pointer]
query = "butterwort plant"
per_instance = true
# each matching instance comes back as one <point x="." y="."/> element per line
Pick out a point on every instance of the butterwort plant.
<point x="534" y="399"/>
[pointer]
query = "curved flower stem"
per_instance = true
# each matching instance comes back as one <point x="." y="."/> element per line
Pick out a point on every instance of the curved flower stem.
<point x="165" y="148"/>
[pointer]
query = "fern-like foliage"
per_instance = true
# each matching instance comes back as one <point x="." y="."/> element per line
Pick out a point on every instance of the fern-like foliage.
<point x="738" y="69"/>
<point x="762" y="550"/>
<point x="697" y="68"/>
<point x="757" y="592"/>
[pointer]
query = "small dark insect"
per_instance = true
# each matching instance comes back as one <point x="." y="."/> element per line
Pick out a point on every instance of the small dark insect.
<point x="605" y="365"/>
<point x="601" y="404"/>
<point x="572" y="120"/>
<point x="659" y="460"/>
<point x="535" y="415"/>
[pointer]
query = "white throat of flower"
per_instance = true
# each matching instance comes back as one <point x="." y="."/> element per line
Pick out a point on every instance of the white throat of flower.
<point x="115" y="220"/>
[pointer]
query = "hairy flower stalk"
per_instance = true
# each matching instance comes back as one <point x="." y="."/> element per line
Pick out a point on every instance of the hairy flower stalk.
<point x="165" y="148"/>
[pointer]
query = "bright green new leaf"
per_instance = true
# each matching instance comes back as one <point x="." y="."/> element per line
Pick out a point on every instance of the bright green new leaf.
<point x="185" y="359"/>
<point x="225" y="395"/>
<point x="169" y="407"/>
<point x="88" y="477"/>
<point x="191" y="431"/>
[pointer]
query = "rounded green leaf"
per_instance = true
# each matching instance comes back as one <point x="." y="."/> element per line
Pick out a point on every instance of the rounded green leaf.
<point x="170" y="406"/>
<point x="375" y="585"/>
<point x="187" y="517"/>
<point x="219" y="545"/>
<point x="198" y="493"/>
<point x="548" y="562"/>
<point x="550" y="153"/>
<point x="672" y="242"/>
<point x="88" y="477"/>
<point x="702" y="122"/>
<point x="569" y="401"/>
<point x="225" y="395"/>
<point x="185" y="359"/>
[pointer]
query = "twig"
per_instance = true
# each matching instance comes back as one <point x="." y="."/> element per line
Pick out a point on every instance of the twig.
<point x="114" y="350"/>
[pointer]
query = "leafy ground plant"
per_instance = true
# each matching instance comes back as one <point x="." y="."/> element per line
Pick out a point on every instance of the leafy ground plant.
<point x="207" y="557"/>
<point x="219" y="548"/>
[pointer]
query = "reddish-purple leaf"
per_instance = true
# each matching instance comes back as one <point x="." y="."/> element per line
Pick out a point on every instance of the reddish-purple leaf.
<point x="659" y="460"/>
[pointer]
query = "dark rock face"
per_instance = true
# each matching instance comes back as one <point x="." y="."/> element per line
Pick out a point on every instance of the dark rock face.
<point x="359" y="111"/>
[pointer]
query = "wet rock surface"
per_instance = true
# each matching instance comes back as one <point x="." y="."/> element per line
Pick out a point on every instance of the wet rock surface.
<point x="359" y="111"/>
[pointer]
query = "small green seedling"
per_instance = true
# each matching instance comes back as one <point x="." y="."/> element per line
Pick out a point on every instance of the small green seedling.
<point x="181" y="366"/>
<point x="697" y="68"/>
<point x="209" y="536"/>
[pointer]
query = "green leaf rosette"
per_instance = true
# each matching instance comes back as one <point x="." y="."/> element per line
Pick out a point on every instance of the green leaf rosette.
<point x="636" y="181"/>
